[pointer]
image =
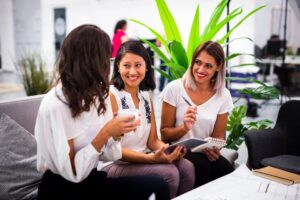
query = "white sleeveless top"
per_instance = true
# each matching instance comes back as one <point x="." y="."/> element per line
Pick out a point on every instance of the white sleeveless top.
<point x="136" y="140"/>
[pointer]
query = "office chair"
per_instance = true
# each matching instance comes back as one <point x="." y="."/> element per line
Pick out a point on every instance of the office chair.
<point x="278" y="147"/>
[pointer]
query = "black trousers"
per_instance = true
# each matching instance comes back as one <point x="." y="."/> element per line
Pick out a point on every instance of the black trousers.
<point x="98" y="186"/>
<point x="207" y="171"/>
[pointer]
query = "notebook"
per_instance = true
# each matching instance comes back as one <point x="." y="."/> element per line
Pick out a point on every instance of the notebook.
<point x="197" y="145"/>
<point x="278" y="175"/>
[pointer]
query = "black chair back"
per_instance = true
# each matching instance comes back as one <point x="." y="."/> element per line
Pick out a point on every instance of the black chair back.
<point x="288" y="122"/>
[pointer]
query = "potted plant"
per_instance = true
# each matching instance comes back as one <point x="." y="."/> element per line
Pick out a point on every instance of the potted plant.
<point x="36" y="79"/>
<point x="178" y="58"/>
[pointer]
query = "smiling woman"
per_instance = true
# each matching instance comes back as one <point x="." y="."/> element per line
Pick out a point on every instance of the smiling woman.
<point x="132" y="78"/>
<point x="205" y="114"/>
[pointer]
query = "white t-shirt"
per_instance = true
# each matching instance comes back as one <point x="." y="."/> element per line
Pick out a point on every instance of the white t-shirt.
<point x="136" y="140"/>
<point x="175" y="95"/>
<point x="55" y="126"/>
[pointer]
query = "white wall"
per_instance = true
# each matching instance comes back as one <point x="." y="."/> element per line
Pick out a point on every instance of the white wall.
<point x="7" y="35"/>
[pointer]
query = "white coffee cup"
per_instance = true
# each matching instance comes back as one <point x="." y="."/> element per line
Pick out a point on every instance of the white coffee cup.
<point x="129" y="112"/>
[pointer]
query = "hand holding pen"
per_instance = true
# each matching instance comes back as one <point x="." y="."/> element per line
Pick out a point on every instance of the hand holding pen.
<point x="190" y="116"/>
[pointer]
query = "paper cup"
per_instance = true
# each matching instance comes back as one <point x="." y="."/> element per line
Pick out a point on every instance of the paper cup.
<point x="129" y="112"/>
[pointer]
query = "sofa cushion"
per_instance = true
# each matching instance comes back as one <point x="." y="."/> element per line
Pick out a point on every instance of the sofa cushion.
<point x="286" y="162"/>
<point x="19" y="177"/>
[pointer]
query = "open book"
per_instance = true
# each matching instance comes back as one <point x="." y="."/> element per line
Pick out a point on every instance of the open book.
<point x="197" y="145"/>
<point x="277" y="175"/>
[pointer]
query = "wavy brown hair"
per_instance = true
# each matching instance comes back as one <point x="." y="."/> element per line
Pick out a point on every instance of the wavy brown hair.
<point x="83" y="68"/>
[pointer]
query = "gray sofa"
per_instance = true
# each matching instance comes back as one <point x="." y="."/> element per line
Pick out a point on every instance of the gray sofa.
<point x="19" y="178"/>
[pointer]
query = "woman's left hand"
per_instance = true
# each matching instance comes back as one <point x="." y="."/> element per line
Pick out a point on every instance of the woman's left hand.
<point x="212" y="154"/>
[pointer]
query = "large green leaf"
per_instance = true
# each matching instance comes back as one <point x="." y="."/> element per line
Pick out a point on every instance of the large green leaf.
<point x="157" y="50"/>
<point x="180" y="69"/>
<point x="168" y="21"/>
<point x="220" y="25"/>
<point x="157" y="35"/>
<point x="240" y="22"/>
<point x="163" y="73"/>
<point x="235" y="127"/>
<point x="234" y="55"/>
<point x="235" y="39"/>
<point x="194" y="38"/>
<point x="178" y="53"/>
<point x="215" y="17"/>
<point x="261" y="92"/>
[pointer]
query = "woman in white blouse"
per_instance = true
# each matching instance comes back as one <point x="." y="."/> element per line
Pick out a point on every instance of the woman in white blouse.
<point x="76" y="132"/>
<point x="132" y="77"/>
<point x="196" y="106"/>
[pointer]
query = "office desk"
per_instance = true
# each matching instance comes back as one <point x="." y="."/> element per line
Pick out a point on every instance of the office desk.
<point x="243" y="185"/>
<point x="278" y="62"/>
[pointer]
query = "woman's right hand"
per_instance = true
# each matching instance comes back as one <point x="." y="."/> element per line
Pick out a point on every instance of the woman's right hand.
<point x="189" y="118"/>
<point x="118" y="126"/>
<point x="161" y="157"/>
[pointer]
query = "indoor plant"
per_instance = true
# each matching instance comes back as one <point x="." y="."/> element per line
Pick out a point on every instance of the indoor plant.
<point x="36" y="79"/>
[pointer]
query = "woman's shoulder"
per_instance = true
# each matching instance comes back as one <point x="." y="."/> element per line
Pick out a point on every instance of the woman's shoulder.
<point x="175" y="84"/>
<point x="54" y="100"/>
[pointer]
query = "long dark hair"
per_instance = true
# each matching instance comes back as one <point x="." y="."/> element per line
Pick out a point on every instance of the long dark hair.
<point x="83" y="67"/>
<point x="120" y="24"/>
<point x="136" y="48"/>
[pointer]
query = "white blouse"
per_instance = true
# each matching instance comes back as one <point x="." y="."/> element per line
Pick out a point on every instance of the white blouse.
<point x="136" y="140"/>
<point x="176" y="95"/>
<point x="55" y="126"/>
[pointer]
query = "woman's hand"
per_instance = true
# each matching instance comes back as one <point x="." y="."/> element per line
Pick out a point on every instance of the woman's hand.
<point x="118" y="126"/>
<point x="189" y="118"/>
<point x="212" y="154"/>
<point x="161" y="157"/>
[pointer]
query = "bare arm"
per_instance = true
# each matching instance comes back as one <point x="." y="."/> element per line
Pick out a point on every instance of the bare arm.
<point x="124" y="38"/>
<point x="168" y="130"/>
<point x="153" y="142"/>
<point x="220" y="126"/>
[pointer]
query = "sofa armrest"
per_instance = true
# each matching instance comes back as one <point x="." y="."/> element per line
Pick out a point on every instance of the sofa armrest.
<point x="263" y="144"/>
<point x="230" y="154"/>
<point x="22" y="110"/>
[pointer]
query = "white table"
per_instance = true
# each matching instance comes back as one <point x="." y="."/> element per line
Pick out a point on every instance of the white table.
<point x="243" y="185"/>
<point x="278" y="61"/>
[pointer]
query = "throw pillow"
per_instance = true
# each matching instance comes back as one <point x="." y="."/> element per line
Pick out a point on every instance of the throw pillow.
<point x="19" y="178"/>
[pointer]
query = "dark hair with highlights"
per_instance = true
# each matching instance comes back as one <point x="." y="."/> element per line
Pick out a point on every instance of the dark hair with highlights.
<point x="83" y="67"/>
<point x="137" y="48"/>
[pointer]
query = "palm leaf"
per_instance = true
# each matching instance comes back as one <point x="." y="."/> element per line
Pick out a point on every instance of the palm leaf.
<point x="240" y="22"/>
<point x="163" y="73"/>
<point x="178" y="54"/>
<point x="168" y="21"/>
<point x="213" y="19"/>
<point x="180" y="69"/>
<point x="194" y="38"/>
<point x="231" y="56"/>
<point x="220" y="25"/>
<point x="157" y="35"/>
<point x="157" y="50"/>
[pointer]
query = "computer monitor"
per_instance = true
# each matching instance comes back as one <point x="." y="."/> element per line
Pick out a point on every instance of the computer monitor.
<point x="275" y="47"/>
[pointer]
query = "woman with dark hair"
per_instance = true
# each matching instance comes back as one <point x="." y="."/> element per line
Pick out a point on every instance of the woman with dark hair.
<point x="76" y="133"/>
<point x="197" y="106"/>
<point x="132" y="77"/>
<point x="119" y="36"/>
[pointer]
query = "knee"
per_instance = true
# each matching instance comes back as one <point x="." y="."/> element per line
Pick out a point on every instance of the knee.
<point x="171" y="174"/>
<point x="187" y="170"/>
